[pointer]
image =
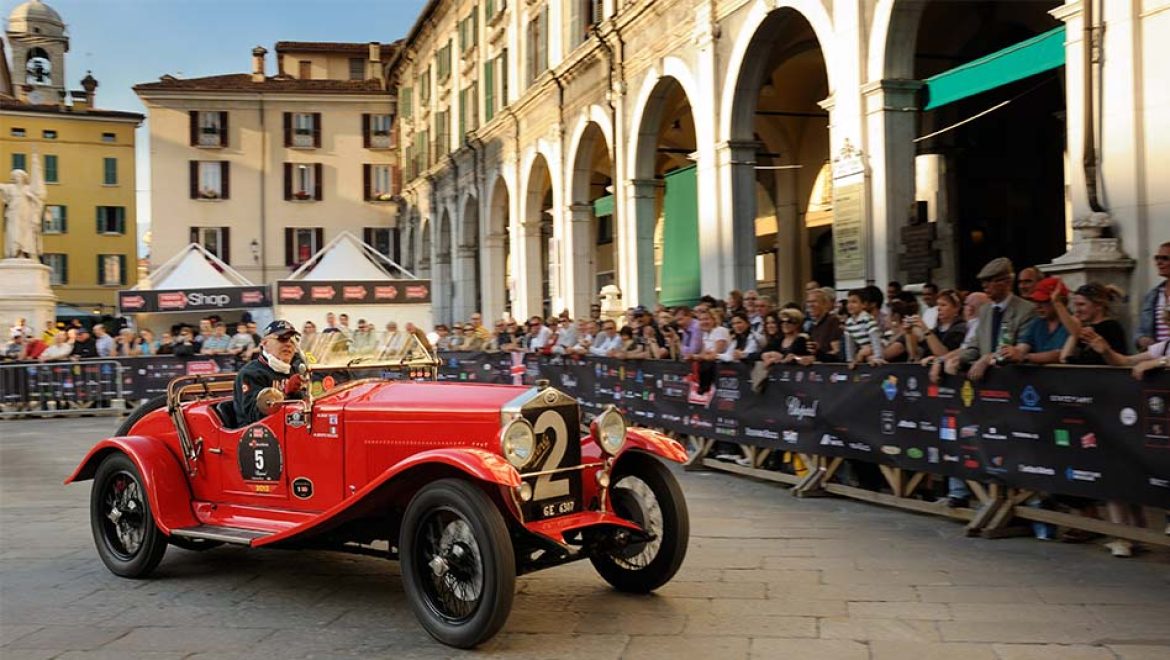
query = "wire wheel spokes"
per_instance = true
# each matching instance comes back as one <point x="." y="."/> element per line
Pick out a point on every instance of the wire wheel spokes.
<point x="649" y="514"/>
<point x="454" y="581"/>
<point x="124" y="515"/>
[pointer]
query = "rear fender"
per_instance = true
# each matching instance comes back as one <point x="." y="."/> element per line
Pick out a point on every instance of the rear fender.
<point x="166" y="485"/>
<point x="652" y="442"/>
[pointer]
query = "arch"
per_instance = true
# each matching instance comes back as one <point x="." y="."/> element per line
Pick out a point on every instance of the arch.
<point x="536" y="285"/>
<point x="893" y="39"/>
<point x="425" y="249"/>
<point x="498" y="268"/>
<point x="590" y="237"/>
<point x="647" y="109"/>
<point x="468" y="297"/>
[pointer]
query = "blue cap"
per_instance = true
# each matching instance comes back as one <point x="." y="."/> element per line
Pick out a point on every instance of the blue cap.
<point x="280" y="328"/>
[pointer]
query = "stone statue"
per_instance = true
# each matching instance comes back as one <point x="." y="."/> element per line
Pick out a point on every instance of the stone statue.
<point x="24" y="208"/>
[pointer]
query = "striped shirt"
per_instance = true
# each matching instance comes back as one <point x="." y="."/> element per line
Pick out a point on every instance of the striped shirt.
<point x="859" y="328"/>
<point x="1161" y="325"/>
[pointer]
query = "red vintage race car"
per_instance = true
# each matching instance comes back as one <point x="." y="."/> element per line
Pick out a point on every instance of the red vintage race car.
<point x="467" y="485"/>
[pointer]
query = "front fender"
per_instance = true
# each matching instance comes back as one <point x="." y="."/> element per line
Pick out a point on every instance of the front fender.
<point x="166" y="485"/>
<point x="653" y="442"/>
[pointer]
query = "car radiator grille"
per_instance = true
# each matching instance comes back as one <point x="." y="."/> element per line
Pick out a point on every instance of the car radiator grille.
<point x="558" y="446"/>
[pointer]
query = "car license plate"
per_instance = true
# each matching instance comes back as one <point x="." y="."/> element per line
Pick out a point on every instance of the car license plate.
<point x="554" y="508"/>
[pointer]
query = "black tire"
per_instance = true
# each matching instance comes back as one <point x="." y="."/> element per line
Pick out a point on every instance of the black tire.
<point x="643" y="567"/>
<point x="194" y="545"/>
<point x="143" y="409"/>
<point x="455" y="523"/>
<point x="127" y="540"/>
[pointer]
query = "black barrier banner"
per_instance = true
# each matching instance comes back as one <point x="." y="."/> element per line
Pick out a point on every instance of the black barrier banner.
<point x="1091" y="432"/>
<point x="147" y="376"/>
<point x="194" y="300"/>
<point x="298" y="292"/>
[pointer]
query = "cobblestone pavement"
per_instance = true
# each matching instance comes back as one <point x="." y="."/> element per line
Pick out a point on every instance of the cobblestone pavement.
<point x="767" y="576"/>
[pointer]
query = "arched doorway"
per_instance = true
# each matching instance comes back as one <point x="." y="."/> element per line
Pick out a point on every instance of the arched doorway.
<point x="497" y="255"/>
<point x="592" y="221"/>
<point x="538" y="262"/>
<point x="443" y="284"/>
<point x="468" y="296"/>
<point x="666" y="199"/>
<point x="783" y="191"/>
<point x="424" y="252"/>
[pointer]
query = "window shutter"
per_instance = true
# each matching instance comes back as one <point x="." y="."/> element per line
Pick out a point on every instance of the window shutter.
<point x="101" y="272"/>
<point x="64" y="269"/>
<point x="366" y="130"/>
<point x="366" y="182"/>
<point x="396" y="245"/>
<point x="194" y="126"/>
<point x="288" y="129"/>
<point x="223" y="129"/>
<point x="318" y="239"/>
<point x="575" y="21"/>
<point x="122" y="269"/>
<point x="287" y="181"/>
<point x="289" y="248"/>
<point x="225" y="244"/>
<point x="64" y="219"/>
<point x="368" y="234"/>
<point x="194" y="235"/>
<point x="318" y="181"/>
<point x="317" y="130"/>
<point x="121" y="215"/>
<point x="489" y="90"/>
<point x="98" y="221"/>
<point x="225" y="179"/>
<point x="395" y="179"/>
<point x="503" y="101"/>
<point x="194" y="179"/>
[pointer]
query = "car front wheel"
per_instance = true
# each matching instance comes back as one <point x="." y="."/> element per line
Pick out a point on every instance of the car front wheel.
<point x="643" y="491"/>
<point x="457" y="563"/>
<point x="127" y="540"/>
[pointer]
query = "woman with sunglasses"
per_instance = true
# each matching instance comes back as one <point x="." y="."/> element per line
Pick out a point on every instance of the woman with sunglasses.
<point x="793" y="345"/>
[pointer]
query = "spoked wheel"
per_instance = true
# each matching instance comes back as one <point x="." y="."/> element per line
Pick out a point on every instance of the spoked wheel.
<point x="457" y="563"/>
<point x="646" y="493"/>
<point x="127" y="540"/>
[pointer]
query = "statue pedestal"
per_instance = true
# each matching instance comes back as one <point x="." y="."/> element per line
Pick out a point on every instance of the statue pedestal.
<point x="25" y="293"/>
<point x="1092" y="258"/>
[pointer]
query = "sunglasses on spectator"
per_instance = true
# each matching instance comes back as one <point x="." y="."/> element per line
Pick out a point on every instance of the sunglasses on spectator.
<point x="787" y="322"/>
<point x="1162" y="257"/>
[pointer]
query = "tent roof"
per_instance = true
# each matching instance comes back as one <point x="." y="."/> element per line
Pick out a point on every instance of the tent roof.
<point x="193" y="267"/>
<point x="348" y="258"/>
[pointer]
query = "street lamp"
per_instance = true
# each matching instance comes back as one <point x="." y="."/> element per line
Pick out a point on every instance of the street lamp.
<point x="255" y="245"/>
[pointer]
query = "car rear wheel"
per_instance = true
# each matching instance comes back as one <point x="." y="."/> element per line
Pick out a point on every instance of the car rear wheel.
<point x="127" y="540"/>
<point x="646" y="493"/>
<point x="458" y="567"/>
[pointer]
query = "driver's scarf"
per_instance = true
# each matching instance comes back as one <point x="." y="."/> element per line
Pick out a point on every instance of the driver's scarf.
<point x="278" y="365"/>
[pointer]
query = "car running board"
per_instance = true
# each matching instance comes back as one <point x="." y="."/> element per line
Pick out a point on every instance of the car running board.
<point x="221" y="534"/>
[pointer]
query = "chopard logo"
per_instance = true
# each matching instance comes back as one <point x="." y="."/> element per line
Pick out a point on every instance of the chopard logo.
<point x="797" y="408"/>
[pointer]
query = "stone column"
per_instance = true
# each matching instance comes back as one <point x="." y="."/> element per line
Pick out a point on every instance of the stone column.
<point x="578" y="260"/>
<point x="442" y="287"/>
<point x="466" y="282"/>
<point x="529" y="278"/>
<point x="493" y="271"/>
<point x="890" y="114"/>
<point x="638" y="278"/>
<point x="736" y="167"/>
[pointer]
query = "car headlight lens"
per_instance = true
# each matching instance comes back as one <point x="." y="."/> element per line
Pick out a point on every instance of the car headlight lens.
<point x="609" y="429"/>
<point x="518" y="442"/>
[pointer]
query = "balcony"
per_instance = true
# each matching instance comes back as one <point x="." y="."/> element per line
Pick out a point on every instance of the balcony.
<point x="303" y="139"/>
<point x="210" y="137"/>
<point x="380" y="140"/>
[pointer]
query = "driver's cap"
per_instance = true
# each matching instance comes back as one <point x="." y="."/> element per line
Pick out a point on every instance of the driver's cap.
<point x="280" y="328"/>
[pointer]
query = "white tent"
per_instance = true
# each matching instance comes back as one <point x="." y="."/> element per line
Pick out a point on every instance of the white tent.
<point x="192" y="267"/>
<point x="349" y="276"/>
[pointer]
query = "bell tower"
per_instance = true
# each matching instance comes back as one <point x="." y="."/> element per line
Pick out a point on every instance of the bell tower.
<point x="37" y="36"/>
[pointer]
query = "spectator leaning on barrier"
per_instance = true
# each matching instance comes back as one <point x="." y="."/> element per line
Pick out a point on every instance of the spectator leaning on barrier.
<point x="1154" y="320"/>
<point x="14" y="349"/>
<point x="185" y="344"/>
<point x="566" y="336"/>
<point x="84" y="345"/>
<point x="715" y="339"/>
<point x="691" y="333"/>
<point x="750" y="300"/>
<point x="365" y="340"/>
<point x="899" y="343"/>
<point x="793" y="345"/>
<point x="103" y="342"/>
<point x="1090" y="318"/>
<point x="743" y="340"/>
<point x="241" y="344"/>
<point x="539" y="335"/>
<point x="1000" y="322"/>
<point x="948" y="333"/>
<point x="125" y="344"/>
<point x="862" y="336"/>
<point x="607" y="341"/>
<point x="166" y="344"/>
<point x="824" y="327"/>
<point x="481" y="332"/>
<point x="654" y="342"/>
<point x="60" y="349"/>
<point x="1045" y="335"/>
<point x="147" y="344"/>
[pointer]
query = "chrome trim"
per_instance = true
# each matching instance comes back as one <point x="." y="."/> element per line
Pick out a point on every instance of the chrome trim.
<point x="525" y="475"/>
<point x="511" y="409"/>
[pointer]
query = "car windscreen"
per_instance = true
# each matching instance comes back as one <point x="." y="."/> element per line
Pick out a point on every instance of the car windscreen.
<point x="365" y="348"/>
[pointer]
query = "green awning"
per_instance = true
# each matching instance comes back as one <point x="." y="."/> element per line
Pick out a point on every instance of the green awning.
<point x="681" y="282"/>
<point x="1027" y="58"/>
<point x="603" y="206"/>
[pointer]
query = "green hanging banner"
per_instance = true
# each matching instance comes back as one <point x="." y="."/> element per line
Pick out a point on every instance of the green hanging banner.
<point x="681" y="280"/>
<point x="1041" y="53"/>
<point x="603" y="206"/>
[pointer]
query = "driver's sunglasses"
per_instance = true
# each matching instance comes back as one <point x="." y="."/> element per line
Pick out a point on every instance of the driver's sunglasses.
<point x="286" y="339"/>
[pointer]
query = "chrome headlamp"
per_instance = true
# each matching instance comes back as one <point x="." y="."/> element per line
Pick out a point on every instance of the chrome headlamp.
<point x="609" y="430"/>
<point x="517" y="442"/>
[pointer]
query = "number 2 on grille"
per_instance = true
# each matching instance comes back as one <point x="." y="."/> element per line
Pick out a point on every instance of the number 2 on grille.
<point x="545" y="487"/>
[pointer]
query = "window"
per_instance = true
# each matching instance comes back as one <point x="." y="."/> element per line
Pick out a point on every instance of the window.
<point x="109" y="137"/>
<point x="111" y="220"/>
<point x="208" y="128"/>
<point x="302" y="181"/>
<point x="584" y="16"/>
<point x="442" y="134"/>
<point x="468" y="110"/>
<point x="214" y="240"/>
<point x="384" y="240"/>
<point x="20" y="162"/>
<point x="56" y="219"/>
<point x="405" y="103"/>
<point x="376" y="130"/>
<point x="210" y="179"/>
<point x="357" y="68"/>
<point x="111" y="269"/>
<point x="59" y="263"/>
<point x="443" y="63"/>
<point x="301" y="243"/>
<point x="17" y="132"/>
<point x="605" y="230"/>
<point x="49" y="135"/>
<point x="493" y="8"/>
<point x="469" y="30"/>
<point x="305" y="70"/>
<point x="538" y="45"/>
<point x="424" y="86"/>
<point x="51" y="174"/>
<point x="422" y="151"/>
<point x="110" y="171"/>
<point x="302" y="130"/>
<point x="379" y="182"/>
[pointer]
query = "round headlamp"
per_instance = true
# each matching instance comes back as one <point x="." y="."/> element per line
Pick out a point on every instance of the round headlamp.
<point x="609" y="429"/>
<point x="518" y="441"/>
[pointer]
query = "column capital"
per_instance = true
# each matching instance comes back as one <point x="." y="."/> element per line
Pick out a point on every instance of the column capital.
<point x="580" y="212"/>
<point x="738" y="152"/>
<point x="645" y="187"/>
<point x="891" y="95"/>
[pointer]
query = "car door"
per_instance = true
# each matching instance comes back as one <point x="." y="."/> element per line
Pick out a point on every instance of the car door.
<point x="253" y="460"/>
<point x="316" y="456"/>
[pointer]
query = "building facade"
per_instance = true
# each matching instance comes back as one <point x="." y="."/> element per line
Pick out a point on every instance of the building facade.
<point x="265" y="170"/>
<point x="87" y="158"/>
<point x="679" y="147"/>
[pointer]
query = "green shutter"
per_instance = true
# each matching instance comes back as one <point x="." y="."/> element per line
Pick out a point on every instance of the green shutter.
<point x="489" y="90"/>
<point x="19" y="162"/>
<point x="64" y="219"/>
<point x="603" y="206"/>
<point x="121" y="215"/>
<point x="111" y="171"/>
<point x="489" y="9"/>
<point x="462" y="114"/>
<point x="1027" y="58"/>
<point x="51" y="169"/>
<point x="404" y="103"/>
<point x="681" y="281"/>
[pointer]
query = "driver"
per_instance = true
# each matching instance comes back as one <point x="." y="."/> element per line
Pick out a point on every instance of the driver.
<point x="276" y="367"/>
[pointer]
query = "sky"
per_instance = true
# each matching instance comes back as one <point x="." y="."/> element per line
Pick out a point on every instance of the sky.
<point x="126" y="42"/>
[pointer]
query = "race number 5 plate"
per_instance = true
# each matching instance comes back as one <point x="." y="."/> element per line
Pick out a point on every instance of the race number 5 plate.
<point x="554" y="508"/>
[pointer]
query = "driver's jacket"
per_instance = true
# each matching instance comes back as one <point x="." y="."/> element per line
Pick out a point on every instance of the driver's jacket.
<point x="255" y="376"/>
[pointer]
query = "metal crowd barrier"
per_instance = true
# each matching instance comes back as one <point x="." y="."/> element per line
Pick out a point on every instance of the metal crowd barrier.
<point x="64" y="388"/>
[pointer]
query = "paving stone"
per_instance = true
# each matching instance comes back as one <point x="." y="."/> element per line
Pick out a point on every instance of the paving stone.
<point x="821" y="649"/>
<point x="1023" y="632"/>
<point x="679" y="647"/>
<point x="1051" y="652"/>
<point x="899" y="610"/>
<point x="903" y="650"/>
<point x="1141" y="651"/>
<point x="192" y="639"/>
<point x="878" y="629"/>
<point x="73" y="638"/>
<point x="759" y="625"/>
<point x="937" y="594"/>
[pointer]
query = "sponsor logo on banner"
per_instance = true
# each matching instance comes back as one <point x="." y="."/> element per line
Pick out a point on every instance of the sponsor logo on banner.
<point x="789" y="436"/>
<point x="1030" y="399"/>
<point x="830" y="440"/>
<point x="891" y="450"/>
<point x="766" y="434"/>
<point x="911" y="391"/>
<point x="950" y="458"/>
<point x="800" y="410"/>
<point x="1073" y="474"/>
<point x="1089" y="441"/>
<point x="815" y="377"/>
<point x="1061" y="437"/>
<point x="1128" y="416"/>
<point x="929" y="427"/>
<point x="996" y="465"/>
<point x="838" y="377"/>
<point x="202" y="367"/>
<point x="907" y="424"/>
<point x="971" y="463"/>
<point x="948" y="430"/>
<point x="208" y="300"/>
<point x="890" y="387"/>
<point x="252" y="297"/>
<point x="888" y="422"/>
<point x="1070" y="400"/>
<point x="860" y="446"/>
<point x="354" y="292"/>
<point x="1043" y="470"/>
<point x="1023" y="435"/>
<point x="291" y="293"/>
<point x="1159" y="482"/>
<point x="938" y="392"/>
<point x="932" y="454"/>
<point x="800" y="376"/>
<point x="967" y="392"/>
<point x="1156" y="404"/>
<point x="995" y="396"/>
<point x="969" y="431"/>
<point x="698" y="422"/>
<point x="568" y="381"/>
<point x="385" y="292"/>
<point x="993" y="433"/>
<point x="915" y="453"/>
<point x="173" y="300"/>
